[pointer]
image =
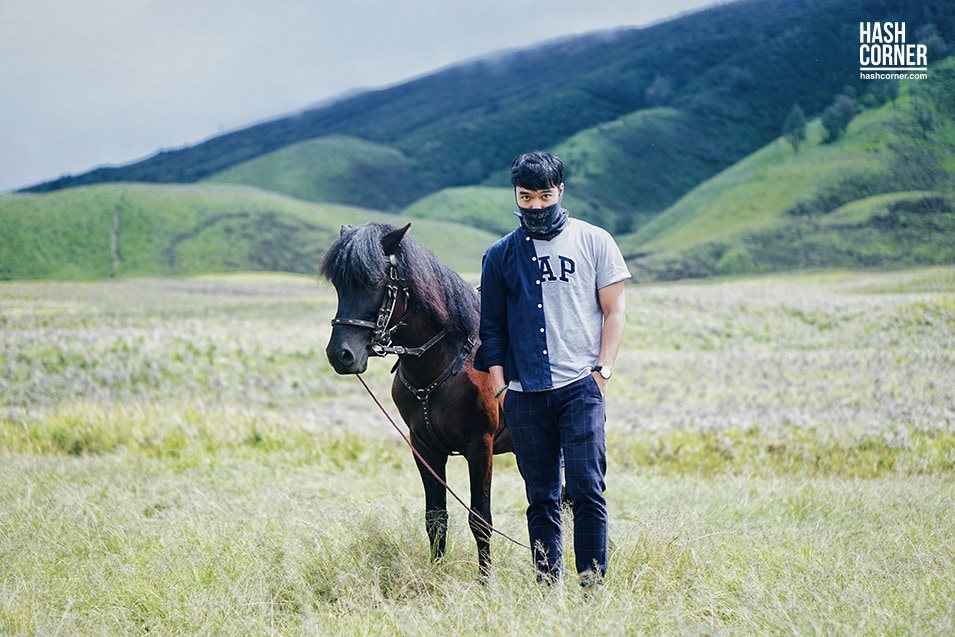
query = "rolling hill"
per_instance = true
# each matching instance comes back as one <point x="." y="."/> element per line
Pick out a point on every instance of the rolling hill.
<point x="95" y="232"/>
<point x="328" y="170"/>
<point x="883" y="195"/>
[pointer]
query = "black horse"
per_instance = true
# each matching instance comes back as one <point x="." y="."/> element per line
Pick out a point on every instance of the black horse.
<point x="396" y="297"/>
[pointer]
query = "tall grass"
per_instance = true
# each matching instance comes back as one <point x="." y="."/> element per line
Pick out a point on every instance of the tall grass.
<point x="176" y="457"/>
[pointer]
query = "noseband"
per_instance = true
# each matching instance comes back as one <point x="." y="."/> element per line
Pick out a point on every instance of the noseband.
<point x="380" y="342"/>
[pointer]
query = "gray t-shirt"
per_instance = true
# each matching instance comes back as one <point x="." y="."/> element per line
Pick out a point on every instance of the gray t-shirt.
<point x="574" y="265"/>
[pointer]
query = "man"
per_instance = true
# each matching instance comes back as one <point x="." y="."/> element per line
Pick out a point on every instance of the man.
<point x="552" y="318"/>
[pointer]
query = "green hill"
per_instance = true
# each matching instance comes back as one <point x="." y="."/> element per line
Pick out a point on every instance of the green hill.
<point x="475" y="206"/>
<point x="883" y="195"/>
<point x="95" y="232"/>
<point x="632" y="168"/>
<point x="333" y="169"/>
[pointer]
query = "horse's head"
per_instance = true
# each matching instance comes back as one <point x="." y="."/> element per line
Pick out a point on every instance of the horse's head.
<point x="359" y="264"/>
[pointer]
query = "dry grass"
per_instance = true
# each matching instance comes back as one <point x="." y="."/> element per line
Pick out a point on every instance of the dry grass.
<point x="177" y="458"/>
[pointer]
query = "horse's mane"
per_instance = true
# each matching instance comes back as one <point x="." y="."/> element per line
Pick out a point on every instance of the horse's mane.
<point x="356" y="262"/>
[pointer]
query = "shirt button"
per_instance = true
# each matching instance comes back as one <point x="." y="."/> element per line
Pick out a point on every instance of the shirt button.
<point x="533" y="258"/>
<point x="538" y="282"/>
<point x="545" y="352"/>
<point x="542" y="330"/>
<point x="539" y="306"/>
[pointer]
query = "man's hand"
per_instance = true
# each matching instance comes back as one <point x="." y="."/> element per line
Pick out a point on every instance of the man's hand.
<point x="601" y="382"/>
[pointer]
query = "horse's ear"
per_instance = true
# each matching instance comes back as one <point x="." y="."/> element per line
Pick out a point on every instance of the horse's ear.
<point x="345" y="229"/>
<point x="390" y="241"/>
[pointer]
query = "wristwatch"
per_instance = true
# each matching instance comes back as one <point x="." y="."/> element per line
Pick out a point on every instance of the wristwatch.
<point x="603" y="370"/>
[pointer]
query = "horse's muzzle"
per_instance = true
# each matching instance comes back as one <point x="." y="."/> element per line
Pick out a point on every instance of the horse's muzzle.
<point x="346" y="357"/>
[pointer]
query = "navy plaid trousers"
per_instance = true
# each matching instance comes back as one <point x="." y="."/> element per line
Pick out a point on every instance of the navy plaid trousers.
<point x="568" y="420"/>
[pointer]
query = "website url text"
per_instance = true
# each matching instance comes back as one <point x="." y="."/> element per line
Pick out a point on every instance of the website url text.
<point x="863" y="75"/>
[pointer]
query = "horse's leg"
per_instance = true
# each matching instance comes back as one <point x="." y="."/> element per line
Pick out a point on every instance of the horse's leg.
<point x="480" y="467"/>
<point x="435" y="499"/>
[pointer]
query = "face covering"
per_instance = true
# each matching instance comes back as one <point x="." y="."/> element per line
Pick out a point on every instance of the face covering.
<point x="543" y="223"/>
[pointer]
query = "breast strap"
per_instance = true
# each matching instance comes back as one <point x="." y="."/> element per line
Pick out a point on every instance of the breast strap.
<point x="423" y="394"/>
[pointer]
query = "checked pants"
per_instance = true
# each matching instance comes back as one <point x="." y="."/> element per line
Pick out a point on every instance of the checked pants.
<point x="544" y="425"/>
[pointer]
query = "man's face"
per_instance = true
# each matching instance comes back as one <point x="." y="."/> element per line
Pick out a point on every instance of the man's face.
<point x="538" y="198"/>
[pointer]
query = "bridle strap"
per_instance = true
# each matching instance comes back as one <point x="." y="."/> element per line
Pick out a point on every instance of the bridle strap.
<point x="415" y="351"/>
<point x="353" y="322"/>
<point x="423" y="394"/>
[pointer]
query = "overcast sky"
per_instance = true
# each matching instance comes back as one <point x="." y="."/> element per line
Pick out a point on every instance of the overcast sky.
<point x="85" y="83"/>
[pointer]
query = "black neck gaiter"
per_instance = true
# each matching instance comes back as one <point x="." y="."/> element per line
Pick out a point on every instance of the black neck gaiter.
<point x="543" y="223"/>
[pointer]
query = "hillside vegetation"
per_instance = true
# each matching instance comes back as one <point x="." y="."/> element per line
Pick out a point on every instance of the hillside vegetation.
<point x="883" y="195"/>
<point x="476" y="206"/>
<point x="879" y="196"/>
<point x="96" y="232"/>
<point x="333" y="169"/>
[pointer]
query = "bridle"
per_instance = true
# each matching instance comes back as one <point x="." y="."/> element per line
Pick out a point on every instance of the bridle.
<point x="380" y="343"/>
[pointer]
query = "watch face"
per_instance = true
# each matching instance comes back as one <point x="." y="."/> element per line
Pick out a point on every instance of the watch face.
<point x="605" y="372"/>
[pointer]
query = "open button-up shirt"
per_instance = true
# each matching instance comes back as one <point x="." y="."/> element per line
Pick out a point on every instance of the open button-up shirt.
<point x="513" y="332"/>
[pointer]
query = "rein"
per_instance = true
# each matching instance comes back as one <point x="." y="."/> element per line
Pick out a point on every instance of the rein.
<point x="434" y="473"/>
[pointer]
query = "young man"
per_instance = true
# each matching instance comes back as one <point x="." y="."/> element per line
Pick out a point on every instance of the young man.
<point x="552" y="318"/>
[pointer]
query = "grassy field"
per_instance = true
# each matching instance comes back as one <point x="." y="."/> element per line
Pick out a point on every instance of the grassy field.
<point x="177" y="457"/>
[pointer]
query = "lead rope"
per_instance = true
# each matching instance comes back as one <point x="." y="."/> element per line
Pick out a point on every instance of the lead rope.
<point x="432" y="471"/>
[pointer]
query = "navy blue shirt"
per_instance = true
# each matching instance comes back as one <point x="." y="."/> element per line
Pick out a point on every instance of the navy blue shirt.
<point x="512" y="313"/>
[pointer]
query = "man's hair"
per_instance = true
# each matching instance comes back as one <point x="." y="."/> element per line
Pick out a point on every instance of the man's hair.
<point x="537" y="170"/>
